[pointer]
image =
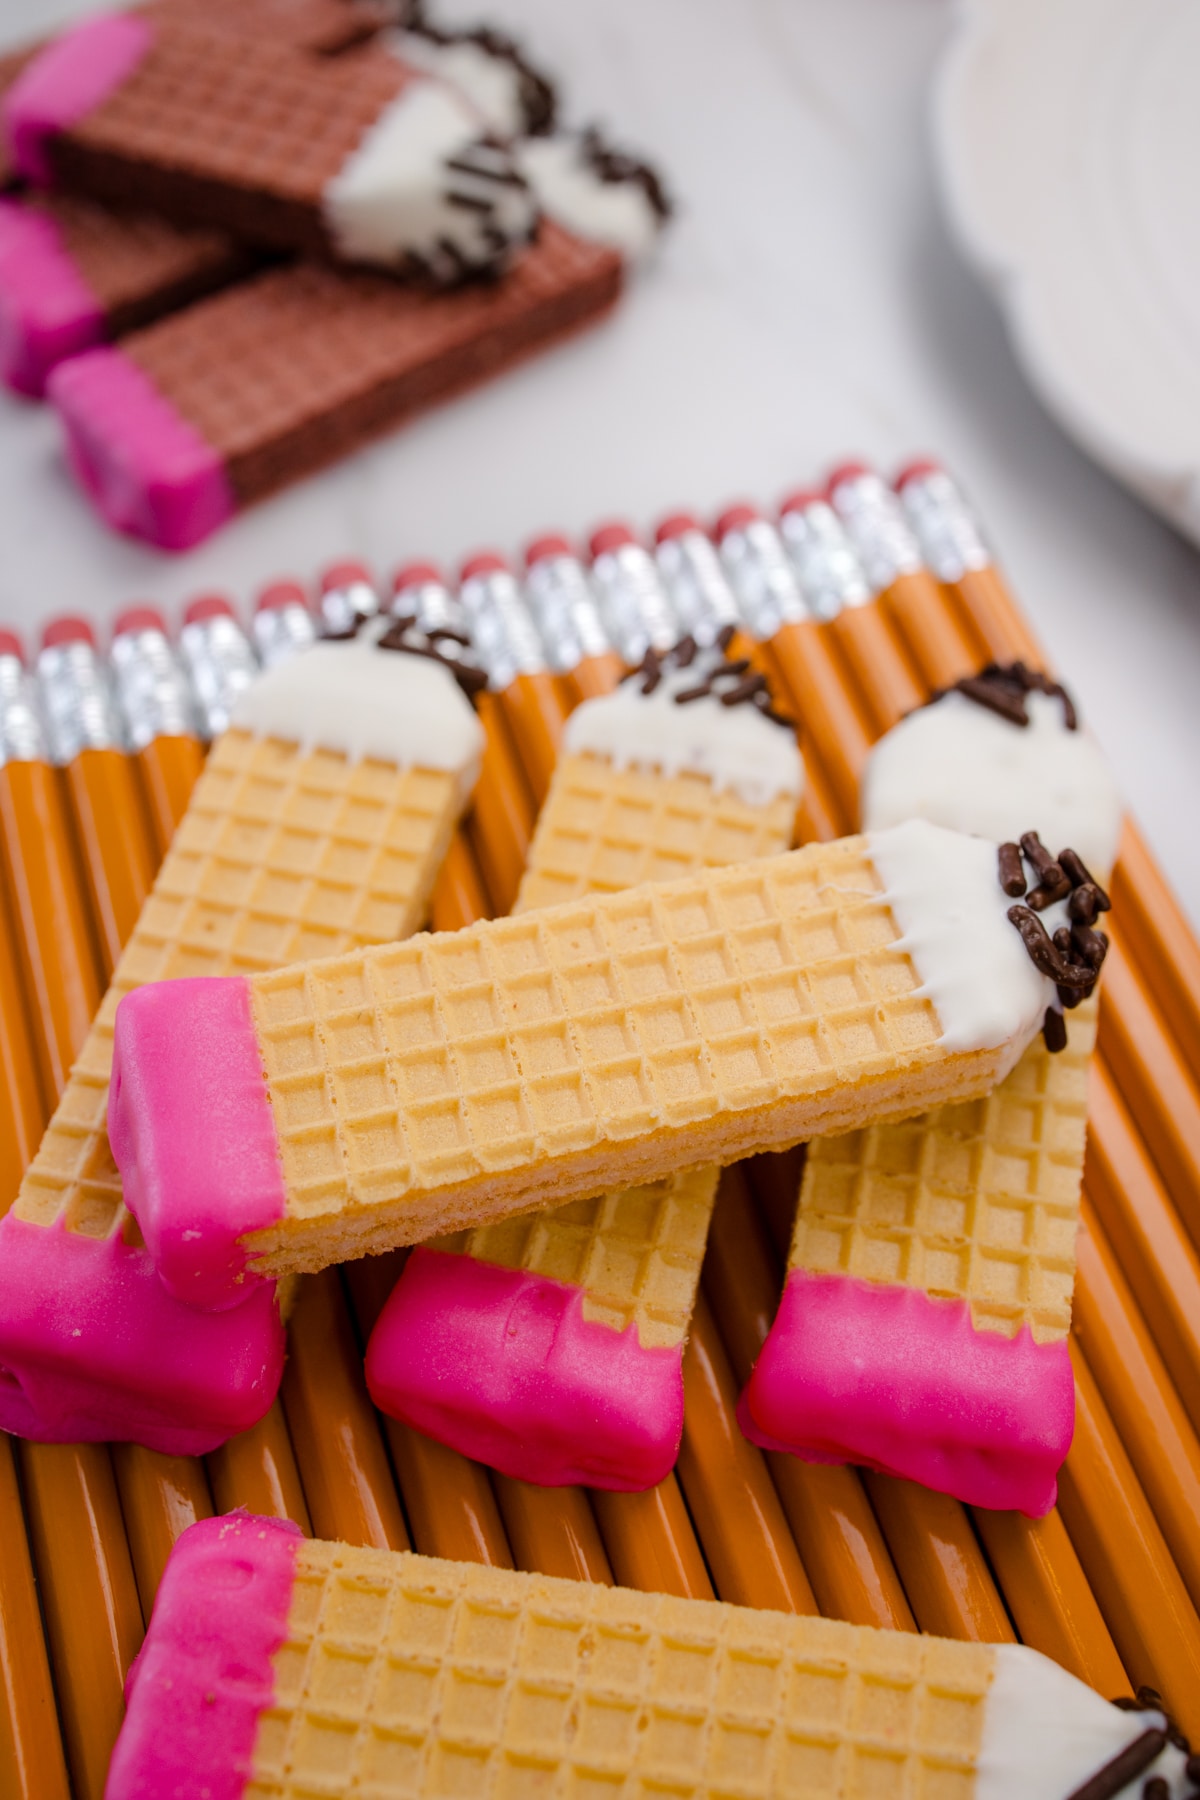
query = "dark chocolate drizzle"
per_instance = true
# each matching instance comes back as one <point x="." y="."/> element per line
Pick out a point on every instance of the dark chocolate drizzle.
<point x="404" y="634"/>
<point x="613" y="165"/>
<point x="1004" y="688"/>
<point x="1071" y="959"/>
<point x="728" y="679"/>
<point x="1136" y="1757"/>
<point x="536" y="92"/>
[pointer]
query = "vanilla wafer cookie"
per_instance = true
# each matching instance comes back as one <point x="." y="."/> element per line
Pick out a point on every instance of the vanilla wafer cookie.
<point x="279" y="1668"/>
<point x="392" y="1094"/>
<point x="551" y="1345"/>
<point x="318" y="825"/>
<point x="924" y="1319"/>
<point x="358" y="156"/>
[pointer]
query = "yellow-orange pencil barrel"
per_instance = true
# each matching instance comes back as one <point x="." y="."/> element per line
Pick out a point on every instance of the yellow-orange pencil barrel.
<point x="159" y="717"/>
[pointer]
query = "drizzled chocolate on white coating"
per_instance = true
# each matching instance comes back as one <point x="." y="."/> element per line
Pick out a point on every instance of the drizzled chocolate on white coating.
<point x="1003" y="688"/>
<point x="443" y="645"/>
<point x="1071" y="956"/>
<point x="730" y="680"/>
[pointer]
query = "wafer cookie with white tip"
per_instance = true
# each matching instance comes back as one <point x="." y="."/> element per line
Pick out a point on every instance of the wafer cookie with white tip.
<point x="281" y="1668"/>
<point x="394" y="1093"/>
<point x="551" y="1345"/>
<point x="924" y="1319"/>
<point x="318" y="825"/>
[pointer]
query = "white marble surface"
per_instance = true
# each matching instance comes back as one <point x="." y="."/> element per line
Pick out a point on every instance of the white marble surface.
<point x="807" y="306"/>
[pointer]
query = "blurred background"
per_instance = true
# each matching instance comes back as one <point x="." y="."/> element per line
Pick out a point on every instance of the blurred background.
<point x="808" y="305"/>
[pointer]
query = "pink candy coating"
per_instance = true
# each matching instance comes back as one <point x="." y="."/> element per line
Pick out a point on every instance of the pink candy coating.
<point x="504" y="1367"/>
<point x="71" y="77"/>
<point x="145" y="468"/>
<point x="204" y="1676"/>
<point x="93" y="1347"/>
<point x="47" y="310"/>
<point x="856" y="1371"/>
<point x="191" y="1129"/>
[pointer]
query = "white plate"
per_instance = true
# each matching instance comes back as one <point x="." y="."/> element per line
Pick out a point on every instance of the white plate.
<point x="1067" y="134"/>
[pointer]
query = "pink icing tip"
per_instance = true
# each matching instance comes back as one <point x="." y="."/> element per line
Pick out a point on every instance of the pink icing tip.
<point x="205" y="1674"/>
<point x="855" y="1371"/>
<point x="71" y="77"/>
<point x="191" y="1129"/>
<point x="93" y="1347"/>
<point x="504" y="1367"/>
<point x="47" y="310"/>
<point x="145" y="468"/>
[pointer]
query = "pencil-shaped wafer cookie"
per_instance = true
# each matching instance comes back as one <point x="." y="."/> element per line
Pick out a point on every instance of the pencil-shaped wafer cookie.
<point x="276" y="1666"/>
<point x="319" y="823"/>
<point x="74" y="274"/>
<point x="924" y="1321"/>
<point x="551" y="1345"/>
<point x="393" y="1094"/>
<point x="357" y="156"/>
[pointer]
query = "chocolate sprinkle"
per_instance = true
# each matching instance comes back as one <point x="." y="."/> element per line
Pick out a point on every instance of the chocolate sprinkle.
<point x="1004" y="688"/>
<point x="728" y="679"/>
<point x="1012" y="873"/>
<point x="614" y="166"/>
<point x="404" y="635"/>
<point x="1071" y="959"/>
<point x="1124" y="1767"/>
<point x="539" y="99"/>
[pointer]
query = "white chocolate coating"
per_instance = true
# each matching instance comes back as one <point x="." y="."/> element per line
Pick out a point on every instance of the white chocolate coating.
<point x="961" y="765"/>
<point x="490" y="83"/>
<point x="616" y="213"/>
<point x="1045" y="1733"/>
<point x="365" y="702"/>
<point x="389" y="197"/>
<point x="944" y="892"/>
<point x="734" y="747"/>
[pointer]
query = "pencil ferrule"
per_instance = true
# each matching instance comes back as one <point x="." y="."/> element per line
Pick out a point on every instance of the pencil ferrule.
<point x="877" y="528"/>
<point x="947" y="531"/>
<point x="560" y="597"/>
<point x="701" y="597"/>
<point x="826" y="562"/>
<point x="634" y="606"/>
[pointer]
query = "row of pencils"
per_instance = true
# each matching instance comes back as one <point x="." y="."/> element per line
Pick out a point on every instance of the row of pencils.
<point x="857" y="601"/>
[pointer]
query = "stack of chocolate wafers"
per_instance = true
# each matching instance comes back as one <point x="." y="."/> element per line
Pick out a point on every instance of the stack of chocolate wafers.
<point x="241" y="239"/>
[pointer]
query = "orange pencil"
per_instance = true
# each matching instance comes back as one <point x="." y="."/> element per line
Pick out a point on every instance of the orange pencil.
<point x="32" y="1766"/>
<point x="158" y="715"/>
<point x="86" y="740"/>
<point x="45" y="885"/>
<point x="506" y="643"/>
<point x="560" y="597"/>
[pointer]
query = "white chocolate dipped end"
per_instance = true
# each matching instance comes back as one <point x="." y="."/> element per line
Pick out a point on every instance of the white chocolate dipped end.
<point x="365" y="702"/>
<point x="394" y="199"/>
<point x="961" y="765"/>
<point x="1045" y="1734"/>
<point x="571" y="190"/>
<point x="492" y="83"/>
<point x="736" y="748"/>
<point x="943" y="891"/>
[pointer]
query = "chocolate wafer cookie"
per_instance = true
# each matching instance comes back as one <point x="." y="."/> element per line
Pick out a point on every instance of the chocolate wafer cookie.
<point x="207" y="411"/>
<point x="74" y="274"/>
<point x="358" y="156"/>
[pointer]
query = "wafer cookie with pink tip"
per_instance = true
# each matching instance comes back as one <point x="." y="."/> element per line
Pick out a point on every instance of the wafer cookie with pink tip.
<point x="923" y="1325"/>
<point x="395" y="1093"/>
<point x="319" y="823"/>
<point x="278" y="1667"/>
<point x="551" y="1345"/>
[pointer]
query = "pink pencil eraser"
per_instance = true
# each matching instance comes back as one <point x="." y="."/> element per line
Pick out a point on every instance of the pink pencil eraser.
<point x="846" y="471"/>
<point x="503" y="1366"/>
<point x="613" y="536"/>
<point x="207" y="606"/>
<point x="11" y="645"/>
<point x="70" y="629"/>
<point x="349" y="573"/>
<point x="193" y="1134"/>
<point x="417" y="574"/>
<point x="541" y="549"/>
<point x="206" y="1674"/>
<point x="916" y="470"/>
<point x="278" y="594"/>
<point x="736" y="518"/>
<point x="799" y="500"/>
<point x="484" y="562"/>
<point x="675" y="525"/>
<point x="138" y="618"/>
